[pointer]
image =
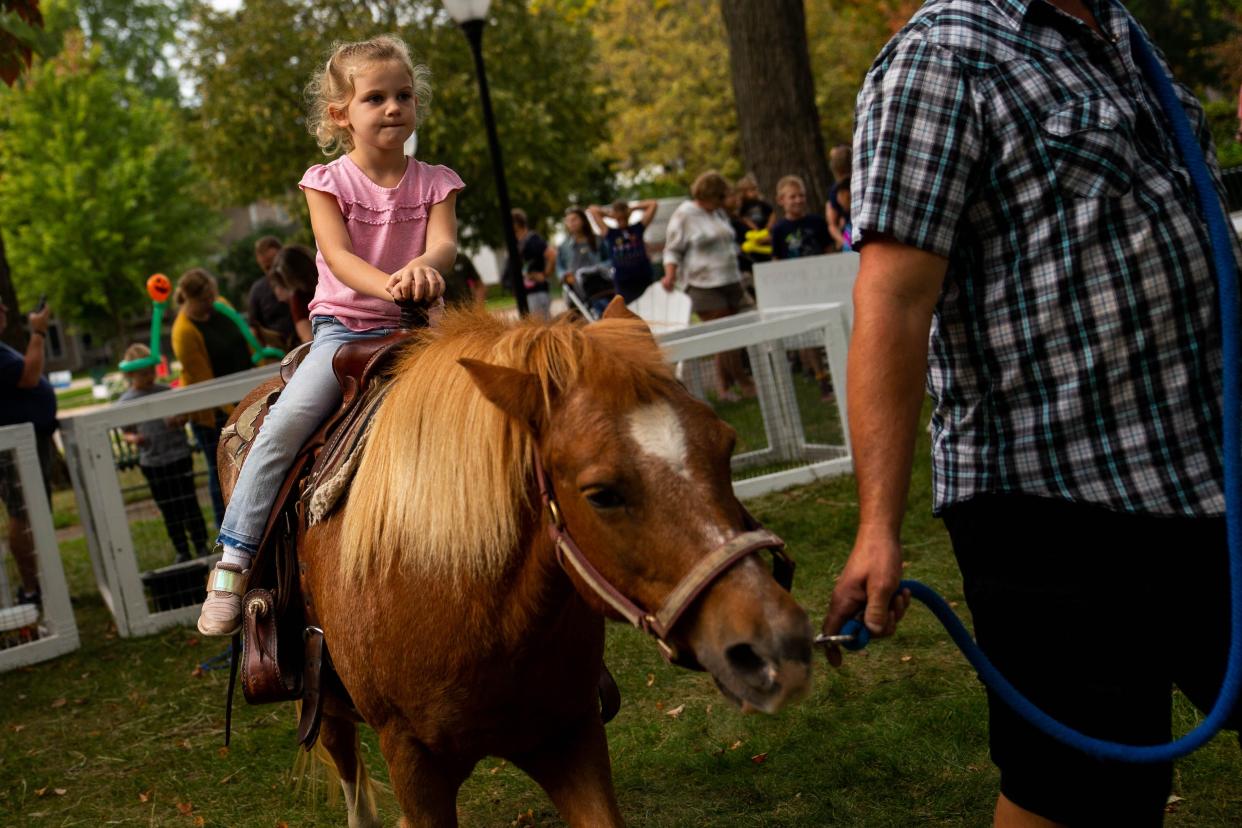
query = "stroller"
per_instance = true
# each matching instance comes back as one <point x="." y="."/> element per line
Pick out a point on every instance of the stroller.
<point x="592" y="290"/>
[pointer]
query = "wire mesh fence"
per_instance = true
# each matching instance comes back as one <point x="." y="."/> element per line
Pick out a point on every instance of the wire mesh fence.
<point x="144" y="478"/>
<point x="36" y="621"/>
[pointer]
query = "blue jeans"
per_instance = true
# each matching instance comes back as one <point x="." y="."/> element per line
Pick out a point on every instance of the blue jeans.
<point x="208" y="438"/>
<point x="303" y="405"/>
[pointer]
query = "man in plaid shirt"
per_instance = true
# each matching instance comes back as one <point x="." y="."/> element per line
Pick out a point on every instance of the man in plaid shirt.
<point x="1022" y="206"/>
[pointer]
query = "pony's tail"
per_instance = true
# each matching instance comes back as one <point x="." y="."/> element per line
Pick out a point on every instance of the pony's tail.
<point x="365" y="788"/>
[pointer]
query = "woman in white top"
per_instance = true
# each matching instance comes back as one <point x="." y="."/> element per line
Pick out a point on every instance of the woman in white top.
<point x="700" y="255"/>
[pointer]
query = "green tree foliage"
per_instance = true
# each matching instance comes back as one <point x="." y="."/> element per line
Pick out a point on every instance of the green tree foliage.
<point x="96" y="193"/>
<point x="668" y="93"/>
<point x="137" y="38"/>
<point x="251" y="67"/>
<point x="1188" y="31"/>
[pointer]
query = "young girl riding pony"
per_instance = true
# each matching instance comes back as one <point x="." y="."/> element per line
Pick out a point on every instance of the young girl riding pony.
<point x="386" y="228"/>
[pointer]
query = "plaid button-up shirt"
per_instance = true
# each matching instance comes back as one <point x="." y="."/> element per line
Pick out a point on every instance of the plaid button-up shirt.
<point x="1075" y="349"/>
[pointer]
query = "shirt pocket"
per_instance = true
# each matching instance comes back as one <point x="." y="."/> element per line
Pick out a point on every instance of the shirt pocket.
<point x="1091" y="148"/>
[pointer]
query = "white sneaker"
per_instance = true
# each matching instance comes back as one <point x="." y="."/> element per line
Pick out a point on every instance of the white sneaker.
<point x="221" y="612"/>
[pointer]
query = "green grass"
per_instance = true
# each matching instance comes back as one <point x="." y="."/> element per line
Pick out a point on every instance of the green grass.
<point x="896" y="737"/>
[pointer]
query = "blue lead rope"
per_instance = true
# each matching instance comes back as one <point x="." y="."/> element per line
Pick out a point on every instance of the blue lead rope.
<point x="1221" y="235"/>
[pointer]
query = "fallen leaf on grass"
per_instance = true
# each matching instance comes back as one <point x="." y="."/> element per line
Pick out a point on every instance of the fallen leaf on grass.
<point x="659" y="705"/>
<point x="16" y="728"/>
<point x="1170" y="806"/>
<point x="199" y="822"/>
<point x="735" y="745"/>
<point x="60" y="791"/>
<point x="185" y="808"/>
<point x="145" y="796"/>
<point x="526" y="819"/>
<point x="186" y="744"/>
<point x="197" y="672"/>
<point x="60" y="702"/>
<point x="191" y="642"/>
<point x="650" y="679"/>
<point x="222" y="751"/>
<point x="282" y="824"/>
<point x="906" y="658"/>
<point x="759" y="758"/>
<point x="676" y="711"/>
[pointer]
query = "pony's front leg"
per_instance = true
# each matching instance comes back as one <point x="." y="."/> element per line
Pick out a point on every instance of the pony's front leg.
<point x="576" y="772"/>
<point x="425" y="786"/>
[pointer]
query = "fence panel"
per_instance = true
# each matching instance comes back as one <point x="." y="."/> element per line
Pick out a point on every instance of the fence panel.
<point x="144" y="500"/>
<point x="29" y="560"/>
<point x="794" y="429"/>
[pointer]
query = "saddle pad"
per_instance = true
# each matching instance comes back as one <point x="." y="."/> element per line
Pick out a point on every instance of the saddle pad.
<point x="335" y="467"/>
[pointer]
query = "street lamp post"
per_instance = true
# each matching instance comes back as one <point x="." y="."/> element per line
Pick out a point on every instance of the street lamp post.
<point x="471" y="16"/>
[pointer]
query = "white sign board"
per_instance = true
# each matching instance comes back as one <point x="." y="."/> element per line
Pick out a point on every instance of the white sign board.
<point x="807" y="282"/>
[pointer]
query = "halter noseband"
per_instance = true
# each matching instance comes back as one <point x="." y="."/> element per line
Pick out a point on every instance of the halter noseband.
<point x="659" y="623"/>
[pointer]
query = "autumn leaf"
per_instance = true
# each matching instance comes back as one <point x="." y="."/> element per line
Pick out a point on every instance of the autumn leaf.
<point x="906" y="658"/>
<point x="199" y="822"/>
<point x="759" y="758"/>
<point x="222" y="751"/>
<point x="16" y="728"/>
<point x="650" y="679"/>
<point x="735" y="745"/>
<point x="197" y="672"/>
<point x="61" y="702"/>
<point x="185" y="808"/>
<point x="145" y="796"/>
<point x="675" y="712"/>
<point x="60" y="791"/>
<point x="191" y="642"/>
<point x="282" y="824"/>
<point x="41" y="792"/>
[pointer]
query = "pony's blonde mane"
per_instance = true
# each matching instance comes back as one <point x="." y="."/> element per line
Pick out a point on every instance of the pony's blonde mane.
<point x="442" y="485"/>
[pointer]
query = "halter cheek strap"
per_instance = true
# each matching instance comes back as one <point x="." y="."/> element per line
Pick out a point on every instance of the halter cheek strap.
<point x="660" y="623"/>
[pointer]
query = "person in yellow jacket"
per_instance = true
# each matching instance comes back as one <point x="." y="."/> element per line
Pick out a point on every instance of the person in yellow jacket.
<point x="207" y="344"/>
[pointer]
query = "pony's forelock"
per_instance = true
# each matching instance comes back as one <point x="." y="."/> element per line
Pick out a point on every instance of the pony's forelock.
<point x="442" y="486"/>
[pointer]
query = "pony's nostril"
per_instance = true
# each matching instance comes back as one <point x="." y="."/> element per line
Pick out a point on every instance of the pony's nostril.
<point x="744" y="659"/>
<point x="796" y="648"/>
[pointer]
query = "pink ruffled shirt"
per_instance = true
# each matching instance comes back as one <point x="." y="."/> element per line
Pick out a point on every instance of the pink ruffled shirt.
<point x="387" y="227"/>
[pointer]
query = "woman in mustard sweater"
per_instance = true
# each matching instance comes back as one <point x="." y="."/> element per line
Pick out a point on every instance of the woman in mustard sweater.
<point x="207" y="344"/>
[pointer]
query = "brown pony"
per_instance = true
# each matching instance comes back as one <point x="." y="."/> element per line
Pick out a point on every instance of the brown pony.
<point x="448" y="618"/>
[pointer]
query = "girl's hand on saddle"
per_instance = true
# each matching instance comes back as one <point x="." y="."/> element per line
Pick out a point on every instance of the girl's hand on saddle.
<point x="417" y="283"/>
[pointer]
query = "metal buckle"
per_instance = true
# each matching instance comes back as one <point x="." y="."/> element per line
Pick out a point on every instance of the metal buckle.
<point x="555" y="512"/>
<point x="310" y="628"/>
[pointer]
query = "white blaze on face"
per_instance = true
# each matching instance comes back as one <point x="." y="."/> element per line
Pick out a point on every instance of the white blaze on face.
<point x="657" y="431"/>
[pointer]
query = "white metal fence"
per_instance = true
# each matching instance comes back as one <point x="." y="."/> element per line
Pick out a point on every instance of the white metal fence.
<point x="29" y="632"/>
<point x="128" y="537"/>
<point x="790" y="432"/>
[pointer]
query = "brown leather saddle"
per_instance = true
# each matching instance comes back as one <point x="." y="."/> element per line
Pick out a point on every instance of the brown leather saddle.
<point x="280" y="647"/>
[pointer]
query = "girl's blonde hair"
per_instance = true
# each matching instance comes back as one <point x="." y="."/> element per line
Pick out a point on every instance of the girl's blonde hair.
<point x="196" y="283"/>
<point x="333" y="86"/>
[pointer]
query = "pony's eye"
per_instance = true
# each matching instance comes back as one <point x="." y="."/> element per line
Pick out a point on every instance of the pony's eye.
<point x="605" y="498"/>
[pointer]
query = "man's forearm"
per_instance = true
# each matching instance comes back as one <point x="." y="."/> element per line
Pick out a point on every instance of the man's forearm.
<point x="886" y="374"/>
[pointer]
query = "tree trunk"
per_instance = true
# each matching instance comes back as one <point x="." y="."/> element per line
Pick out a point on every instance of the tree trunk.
<point x="775" y="95"/>
<point x="14" y="333"/>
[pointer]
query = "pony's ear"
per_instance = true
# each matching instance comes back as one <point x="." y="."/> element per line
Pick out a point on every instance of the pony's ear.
<point x="514" y="392"/>
<point x="617" y="310"/>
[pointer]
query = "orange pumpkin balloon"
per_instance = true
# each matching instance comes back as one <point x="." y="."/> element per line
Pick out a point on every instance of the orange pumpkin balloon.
<point x="158" y="287"/>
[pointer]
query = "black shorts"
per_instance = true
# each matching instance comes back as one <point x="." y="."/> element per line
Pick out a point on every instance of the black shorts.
<point x="1094" y="616"/>
<point x="10" y="482"/>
